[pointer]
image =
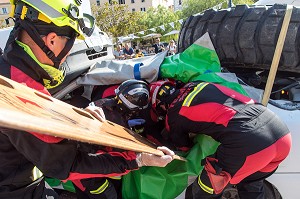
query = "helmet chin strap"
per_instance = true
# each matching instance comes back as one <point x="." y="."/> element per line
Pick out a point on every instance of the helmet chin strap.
<point x="33" y="33"/>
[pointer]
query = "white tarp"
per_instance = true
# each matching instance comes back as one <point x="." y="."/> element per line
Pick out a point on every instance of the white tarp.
<point x="116" y="71"/>
<point x="109" y="72"/>
<point x="271" y="2"/>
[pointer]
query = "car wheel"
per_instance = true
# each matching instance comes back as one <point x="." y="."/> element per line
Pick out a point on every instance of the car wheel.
<point x="246" y="36"/>
<point x="270" y="190"/>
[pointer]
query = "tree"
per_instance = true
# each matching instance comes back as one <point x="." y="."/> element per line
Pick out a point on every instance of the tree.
<point x="155" y="17"/>
<point x="158" y="16"/>
<point x="115" y="19"/>
<point x="248" y="2"/>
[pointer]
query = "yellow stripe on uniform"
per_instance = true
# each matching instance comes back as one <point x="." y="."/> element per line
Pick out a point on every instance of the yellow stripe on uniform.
<point x="190" y="97"/>
<point x="204" y="187"/>
<point x="101" y="188"/>
<point x="116" y="177"/>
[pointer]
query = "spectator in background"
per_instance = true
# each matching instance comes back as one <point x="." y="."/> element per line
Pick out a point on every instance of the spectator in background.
<point x="172" y="48"/>
<point x="118" y="53"/>
<point x="150" y="50"/>
<point x="144" y="51"/>
<point x="158" y="47"/>
<point x="128" y="51"/>
<point x="138" y="53"/>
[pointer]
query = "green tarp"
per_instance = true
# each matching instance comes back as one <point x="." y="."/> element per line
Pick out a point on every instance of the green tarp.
<point x="170" y="181"/>
<point x="189" y="65"/>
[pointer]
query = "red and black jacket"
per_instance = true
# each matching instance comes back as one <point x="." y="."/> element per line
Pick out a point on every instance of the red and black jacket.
<point x="55" y="157"/>
<point x="232" y="119"/>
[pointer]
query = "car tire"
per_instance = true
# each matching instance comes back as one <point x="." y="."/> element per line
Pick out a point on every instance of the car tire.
<point x="246" y="37"/>
<point x="271" y="192"/>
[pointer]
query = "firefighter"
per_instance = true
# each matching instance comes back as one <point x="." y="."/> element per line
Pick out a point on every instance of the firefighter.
<point x="119" y="103"/>
<point x="127" y="105"/>
<point x="253" y="140"/>
<point x="43" y="35"/>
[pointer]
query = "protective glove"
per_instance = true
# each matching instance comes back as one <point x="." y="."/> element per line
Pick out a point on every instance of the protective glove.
<point x="135" y="122"/>
<point x="97" y="112"/>
<point x="147" y="159"/>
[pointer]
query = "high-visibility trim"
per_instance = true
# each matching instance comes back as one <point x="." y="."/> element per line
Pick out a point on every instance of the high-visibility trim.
<point x="55" y="73"/>
<point x="36" y="173"/>
<point x="23" y="13"/>
<point x="204" y="187"/>
<point x="188" y="100"/>
<point x="161" y="92"/>
<point x="44" y="18"/>
<point x="116" y="177"/>
<point x="101" y="188"/>
<point x="41" y="16"/>
<point x="12" y="12"/>
<point x="44" y="7"/>
<point x="119" y="102"/>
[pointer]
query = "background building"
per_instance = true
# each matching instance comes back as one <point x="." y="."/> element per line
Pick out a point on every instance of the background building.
<point x="177" y="5"/>
<point x="138" y="5"/>
<point x="4" y="9"/>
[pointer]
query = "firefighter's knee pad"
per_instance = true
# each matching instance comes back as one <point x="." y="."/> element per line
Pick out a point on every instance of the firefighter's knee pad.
<point x="213" y="179"/>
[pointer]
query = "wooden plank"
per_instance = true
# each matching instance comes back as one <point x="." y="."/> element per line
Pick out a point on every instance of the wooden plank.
<point x="26" y="109"/>
<point x="277" y="55"/>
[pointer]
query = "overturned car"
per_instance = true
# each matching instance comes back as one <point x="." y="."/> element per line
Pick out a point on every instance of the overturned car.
<point x="244" y="39"/>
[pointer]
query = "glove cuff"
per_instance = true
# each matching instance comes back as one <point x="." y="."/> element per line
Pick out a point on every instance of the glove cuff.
<point x="139" y="160"/>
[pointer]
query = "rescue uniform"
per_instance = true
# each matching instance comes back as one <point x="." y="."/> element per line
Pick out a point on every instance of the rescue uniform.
<point x="151" y="129"/>
<point x="253" y="140"/>
<point x="55" y="157"/>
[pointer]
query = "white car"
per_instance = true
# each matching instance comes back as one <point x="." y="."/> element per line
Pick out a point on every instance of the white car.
<point x="244" y="50"/>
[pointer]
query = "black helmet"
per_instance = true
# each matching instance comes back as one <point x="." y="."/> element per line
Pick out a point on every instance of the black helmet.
<point x="162" y="92"/>
<point x="133" y="94"/>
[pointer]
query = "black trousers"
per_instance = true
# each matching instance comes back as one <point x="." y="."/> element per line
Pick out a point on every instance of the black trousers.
<point x="251" y="187"/>
<point x="100" y="188"/>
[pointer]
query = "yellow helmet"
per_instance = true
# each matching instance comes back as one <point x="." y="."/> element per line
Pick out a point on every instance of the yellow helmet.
<point x="60" y="12"/>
